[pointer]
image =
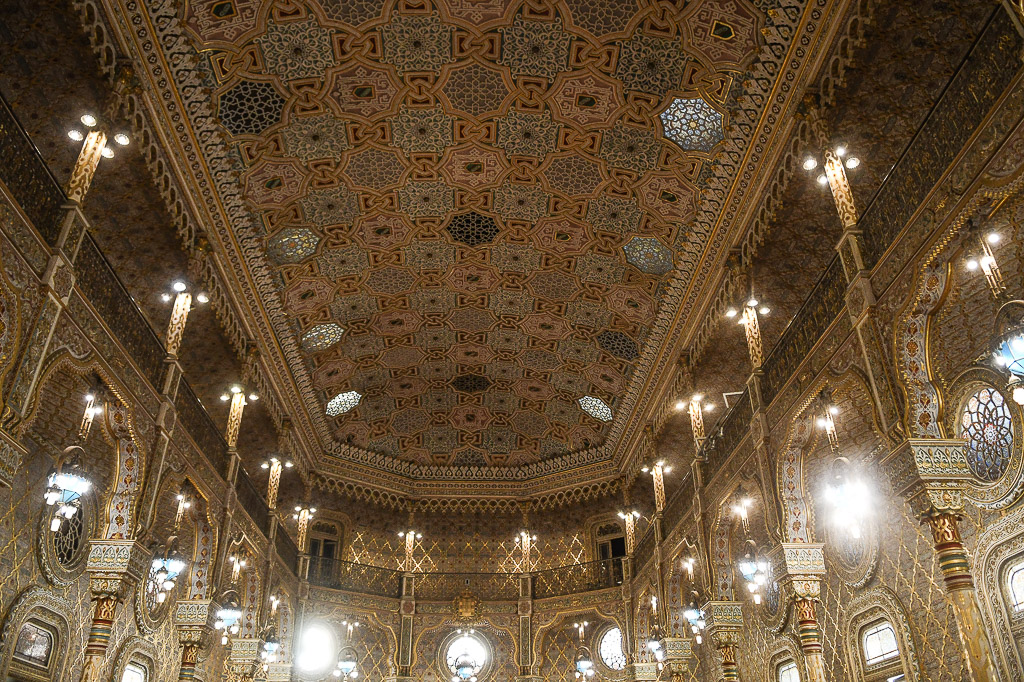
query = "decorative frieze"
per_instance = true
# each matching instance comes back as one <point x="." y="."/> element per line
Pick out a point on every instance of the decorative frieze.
<point x="931" y="474"/>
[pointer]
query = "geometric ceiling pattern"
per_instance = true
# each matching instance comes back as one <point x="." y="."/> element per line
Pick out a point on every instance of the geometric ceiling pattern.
<point x="469" y="207"/>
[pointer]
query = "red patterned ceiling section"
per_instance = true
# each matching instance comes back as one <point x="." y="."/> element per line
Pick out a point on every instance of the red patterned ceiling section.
<point x="469" y="208"/>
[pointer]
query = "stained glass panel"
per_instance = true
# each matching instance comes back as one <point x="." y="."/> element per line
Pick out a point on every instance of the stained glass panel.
<point x="343" y="402"/>
<point x="987" y="426"/>
<point x="693" y="124"/>
<point x="596" y="408"/>
<point x="610" y="649"/>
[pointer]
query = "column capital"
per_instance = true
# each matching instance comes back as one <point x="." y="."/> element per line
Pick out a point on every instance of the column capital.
<point x="799" y="567"/>
<point x="724" y="621"/>
<point x="114" y="566"/>
<point x="192" y="618"/>
<point x="677" y="649"/>
<point x="244" y="654"/>
<point x="279" y="672"/>
<point x="645" y="672"/>
<point x="930" y="473"/>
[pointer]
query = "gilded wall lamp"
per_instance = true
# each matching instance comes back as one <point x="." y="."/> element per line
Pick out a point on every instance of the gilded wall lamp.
<point x="846" y="495"/>
<point x="94" y="133"/>
<point x="275" y="466"/>
<point x="182" y="299"/>
<point x="694" y="615"/>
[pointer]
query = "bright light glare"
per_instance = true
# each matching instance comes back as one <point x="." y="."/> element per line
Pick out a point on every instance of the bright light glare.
<point x="466" y="645"/>
<point x="822" y="179"/>
<point x="121" y="139"/>
<point x="852" y="162"/>
<point x="88" y="119"/>
<point x="316" y="649"/>
<point x="841" y="150"/>
<point x="993" y="238"/>
<point x="107" y="153"/>
<point x="810" y="163"/>
<point x="76" y="135"/>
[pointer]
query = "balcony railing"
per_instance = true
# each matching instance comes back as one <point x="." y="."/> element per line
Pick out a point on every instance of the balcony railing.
<point x="577" y="578"/>
<point x="347" y="575"/>
<point x="28" y="177"/>
<point x="484" y="586"/>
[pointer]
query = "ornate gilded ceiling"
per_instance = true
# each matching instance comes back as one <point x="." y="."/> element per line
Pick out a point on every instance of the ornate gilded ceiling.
<point x="468" y="209"/>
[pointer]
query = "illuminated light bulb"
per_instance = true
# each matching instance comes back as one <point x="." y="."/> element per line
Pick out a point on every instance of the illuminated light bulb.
<point x="203" y="298"/>
<point x="265" y="465"/>
<point x="822" y="179"/>
<point x="225" y="397"/>
<point x="289" y="465"/>
<point x="752" y="302"/>
<point x="680" y="405"/>
<point x="166" y="298"/>
<point x="972" y="264"/>
<point x="107" y="153"/>
<point x="841" y="150"/>
<point x="253" y="397"/>
<point x="852" y="162"/>
<point x="55" y="524"/>
<point x="88" y="120"/>
<point x="993" y="238"/>
<point x="76" y="135"/>
<point x="121" y="139"/>
<point x="731" y="312"/>
<point x="236" y="389"/>
<point x="178" y="286"/>
<point x="764" y="310"/>
<point x="810" y="163"/>
<point x="710" y="407"/>
<point x="1018" y="395"/>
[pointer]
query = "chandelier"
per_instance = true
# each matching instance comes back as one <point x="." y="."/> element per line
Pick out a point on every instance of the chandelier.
<point x="654" y="639"/>
<point x="228" y="617"/>
<point x="694" y="615"/>
<point x="165" y="570"/>
<point x="754" y="569"/>
<point x="1009" y="343"/>
<point x="583" y="660"/>
<point x="348" y="661"/>
<point x="65" y="486"/>
<point x="847" y="497"/>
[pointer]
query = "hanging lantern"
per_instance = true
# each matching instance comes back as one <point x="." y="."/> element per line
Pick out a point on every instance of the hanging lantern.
<point x="695" y="617"/>
<point x="347" y="663"/>
<point x="65" y="486"/>
<point x="1009" y="343"/>
<point x="584" y="663"/>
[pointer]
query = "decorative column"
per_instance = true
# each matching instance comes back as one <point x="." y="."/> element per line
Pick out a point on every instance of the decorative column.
<point x="930" y="474"/>
<point x="752" y="329"/>
<point x="237" y="399"/>
<point x="192" y="620"/>
<point x="303" y="515"/>
<point x="724" y="624"/>
<point x="276" y="467"/>
<point x="800" y="567"/>
<point x="525" y="610"/>
<point x="115" y="567"/>
<point x="697" y="421"/>
<point x="407" y="612"/>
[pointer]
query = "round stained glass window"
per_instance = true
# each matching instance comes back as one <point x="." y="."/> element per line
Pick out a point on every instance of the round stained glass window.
<point x="610" y="649"/>
<point x="987" y="426"/>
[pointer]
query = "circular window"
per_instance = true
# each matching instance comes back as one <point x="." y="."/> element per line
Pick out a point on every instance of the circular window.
<point x="67" y="540"/>
<point x="987" y="426"/>
<point x="316" y="652"/>
<point x="466" y="656"/>
<point x="63" y="550"/>
<point x="610" y="649"/>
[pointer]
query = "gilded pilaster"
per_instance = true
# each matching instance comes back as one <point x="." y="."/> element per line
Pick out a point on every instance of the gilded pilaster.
<point x="930" y="474"/>
<point x="799" y="568"/>
<point x="192" y="621"/>
<point x="114" y="567"/>
<point x="724" y="627"/>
